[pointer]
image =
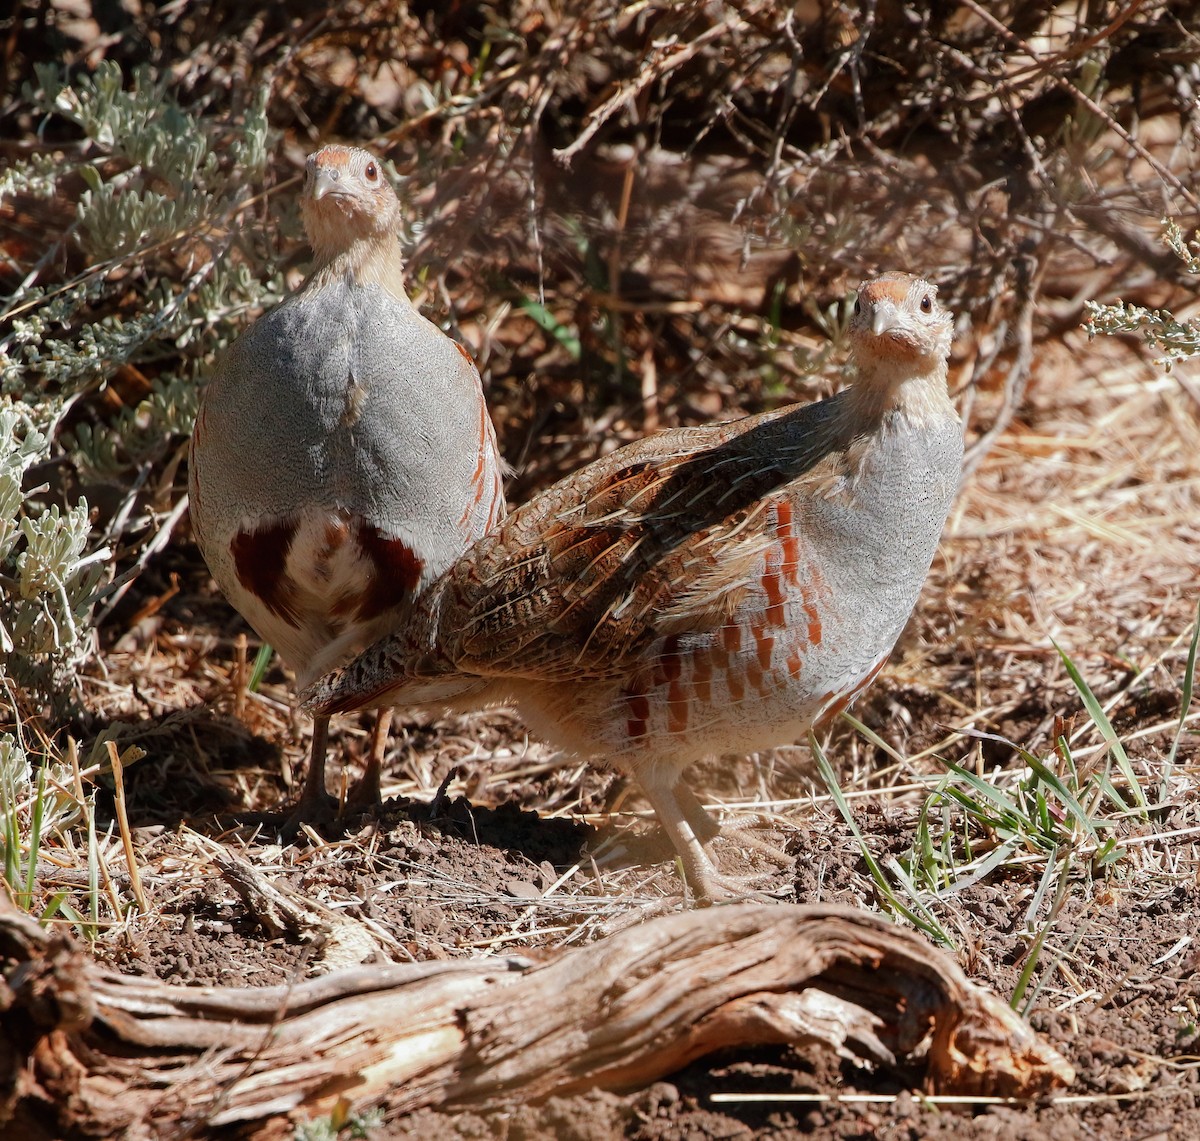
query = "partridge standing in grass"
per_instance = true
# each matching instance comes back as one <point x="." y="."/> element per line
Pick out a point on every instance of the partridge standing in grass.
<point x="343" y="456"/>
<point x="707" y="590"/>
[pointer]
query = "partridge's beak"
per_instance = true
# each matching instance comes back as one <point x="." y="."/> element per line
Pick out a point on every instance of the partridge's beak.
<point x="885" y="317"/>
<point x="325" y="181"/>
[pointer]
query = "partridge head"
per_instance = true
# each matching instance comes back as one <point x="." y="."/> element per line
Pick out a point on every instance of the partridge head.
<point x="704" y="591"/>
<point x="343" y="456"/>
<point x="349" y="208"/>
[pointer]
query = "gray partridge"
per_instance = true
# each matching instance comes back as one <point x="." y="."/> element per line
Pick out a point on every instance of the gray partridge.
<point x="343" y="456"/>
<point x="707" y="590"/>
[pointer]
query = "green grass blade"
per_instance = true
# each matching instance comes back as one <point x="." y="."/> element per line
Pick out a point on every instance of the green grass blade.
<point x="544" y="319"/>
<point x="926" y="856"/>
<point x="1189" y="683"/>
<point x="262" y="661"/>
<point x="1110" y="790"/>
<point x="12" y="833"/>
<point x="999" y="800"/>
<point x="53" y="905"/>
<point x="871" y="736"/>
<point x="1101" y="721"/>
<point x="993" y="860"/>
<point x="38" y="815"/>
<point x="923" y="922"/>
<point x="93" y="849"/>
<point x="1053" y="781"/>
<point x="88" y="931"/>
<point x="1035" y="952"/>
<point x="1006" y="821"/>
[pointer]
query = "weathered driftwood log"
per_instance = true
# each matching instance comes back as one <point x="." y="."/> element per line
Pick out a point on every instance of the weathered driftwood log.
<point x="100" y="1054"/>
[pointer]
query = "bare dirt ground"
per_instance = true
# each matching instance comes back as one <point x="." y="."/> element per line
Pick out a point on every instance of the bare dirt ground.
<point x="1077" y="523"/>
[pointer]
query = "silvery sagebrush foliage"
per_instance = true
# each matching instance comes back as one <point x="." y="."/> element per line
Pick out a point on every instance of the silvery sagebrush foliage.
<point x="156" y="224"/>
<point x="1176" y="340"/>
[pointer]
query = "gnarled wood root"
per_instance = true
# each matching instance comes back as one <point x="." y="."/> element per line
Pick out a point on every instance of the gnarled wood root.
<point x="102" y="1054"/>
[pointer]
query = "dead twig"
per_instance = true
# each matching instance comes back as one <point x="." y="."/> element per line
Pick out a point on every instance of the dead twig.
<point x="1029" y="276"/>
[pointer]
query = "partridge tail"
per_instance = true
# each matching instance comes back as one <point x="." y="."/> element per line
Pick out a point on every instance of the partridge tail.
<point x="342" y="692"/>
<point x="386" y="675"/>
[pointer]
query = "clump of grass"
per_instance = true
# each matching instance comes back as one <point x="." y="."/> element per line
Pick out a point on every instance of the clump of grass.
<point x="36" y="809"/>
<point x="1068" y="818"/>
<point x="49" y="834"/>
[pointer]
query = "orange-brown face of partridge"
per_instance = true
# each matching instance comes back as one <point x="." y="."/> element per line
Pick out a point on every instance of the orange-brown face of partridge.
<point x="347" y="198"/>
<point x="898" y="323"/>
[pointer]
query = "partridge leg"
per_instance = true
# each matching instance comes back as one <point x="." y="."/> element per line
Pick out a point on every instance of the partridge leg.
<point x="315" y="804"/>
<point x="672" y="809"/>
<point x="692" y="830"/>
<point x="365" y="795"/>
<point x="703" y="823"/>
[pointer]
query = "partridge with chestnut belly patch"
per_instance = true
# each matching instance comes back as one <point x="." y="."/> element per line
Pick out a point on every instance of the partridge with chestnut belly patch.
<point x="343" y="456"/>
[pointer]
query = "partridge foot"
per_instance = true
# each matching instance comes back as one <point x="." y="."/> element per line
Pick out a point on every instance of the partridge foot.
<point x="694" y="832"/>
<point x="315" y="806"/>
<point x="709" y="829"/>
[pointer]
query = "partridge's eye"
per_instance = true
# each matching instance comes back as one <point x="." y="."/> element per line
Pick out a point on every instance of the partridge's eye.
<point x="372" y="171"/>
<point x="926" y="304"/>
<point x="857" y="307"/>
